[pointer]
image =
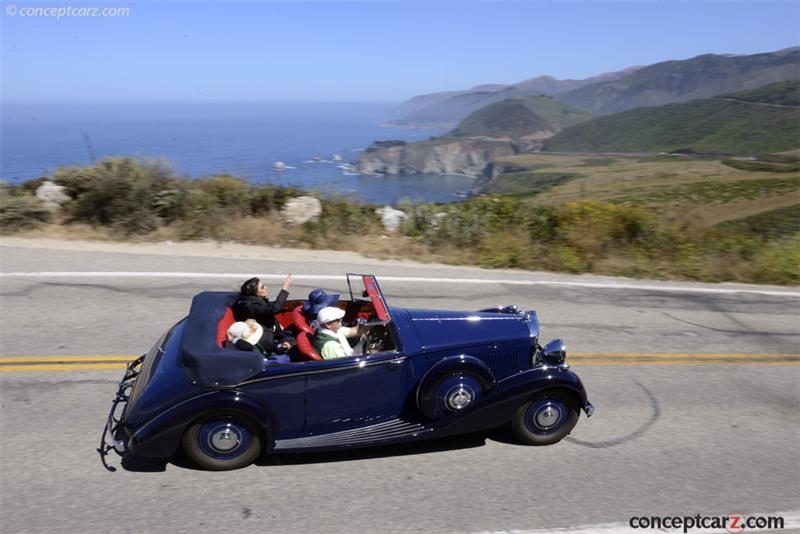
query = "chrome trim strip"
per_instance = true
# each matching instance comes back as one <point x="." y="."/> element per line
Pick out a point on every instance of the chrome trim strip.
<point x="474" y="318"/>
<point x="358" y="364"/>
<point x="384" y="431"/>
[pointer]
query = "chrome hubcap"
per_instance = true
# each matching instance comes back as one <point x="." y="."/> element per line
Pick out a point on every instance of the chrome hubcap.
<point x="224" y="439"/>
<point x="459" y="398"/>
<point x="547" y="417"/>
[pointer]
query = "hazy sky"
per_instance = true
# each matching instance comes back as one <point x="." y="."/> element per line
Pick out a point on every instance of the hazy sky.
<point x="359" y="51"/>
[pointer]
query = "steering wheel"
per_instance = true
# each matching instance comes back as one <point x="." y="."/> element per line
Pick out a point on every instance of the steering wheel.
<point x="374" y="340"/>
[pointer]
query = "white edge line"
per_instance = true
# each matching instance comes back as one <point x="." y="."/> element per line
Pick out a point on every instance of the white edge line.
<point x="594" y="285"/>
<point x="791" y="520"/>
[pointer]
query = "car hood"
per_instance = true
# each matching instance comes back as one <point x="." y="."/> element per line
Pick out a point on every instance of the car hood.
<point x="443" y="328"/>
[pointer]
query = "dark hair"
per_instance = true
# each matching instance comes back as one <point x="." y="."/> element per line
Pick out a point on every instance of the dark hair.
<point x="250" y="288"/>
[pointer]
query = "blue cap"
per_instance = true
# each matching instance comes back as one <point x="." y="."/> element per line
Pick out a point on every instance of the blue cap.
<point x="317" y="300"/>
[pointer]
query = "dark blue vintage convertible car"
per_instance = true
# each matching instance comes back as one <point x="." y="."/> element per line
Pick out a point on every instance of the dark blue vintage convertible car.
<point x="418" y="374"/>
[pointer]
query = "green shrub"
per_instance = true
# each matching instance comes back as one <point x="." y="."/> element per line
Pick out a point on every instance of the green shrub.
<point x="227" y="192"/>
<point x="271" y="198"/>
<point x="341" y="216"/>
<point x="21" y="211"/>
<point x="778" y="262"/>
<point x="121" y="193"/>
<point x="202" y="216"/>
<point x="505" y="249"/>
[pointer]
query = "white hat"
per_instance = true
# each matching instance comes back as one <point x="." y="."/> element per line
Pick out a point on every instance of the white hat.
<point x="329" y="314"/>
<point x="244" y="331"/>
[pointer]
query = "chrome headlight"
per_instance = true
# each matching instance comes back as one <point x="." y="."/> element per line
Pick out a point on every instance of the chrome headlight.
<point x="554" y="353"/>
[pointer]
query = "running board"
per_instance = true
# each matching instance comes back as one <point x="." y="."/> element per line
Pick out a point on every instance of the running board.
<point x="365" y="435"/>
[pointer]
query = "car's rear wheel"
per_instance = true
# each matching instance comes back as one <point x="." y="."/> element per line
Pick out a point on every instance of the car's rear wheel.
<point x="545" y="420"/>
<point x="222" y="443"/>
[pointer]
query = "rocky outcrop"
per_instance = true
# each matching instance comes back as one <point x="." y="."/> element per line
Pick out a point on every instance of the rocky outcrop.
<point x="51" y="194"/>
<point x="391" y="218"/>
<point x="468" y="156"/>
<point x="299" y="210"/>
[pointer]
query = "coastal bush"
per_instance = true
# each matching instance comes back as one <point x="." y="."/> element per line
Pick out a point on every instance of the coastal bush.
<point x="202" y="216"/>
<point x="505" y="249"/>
<point x="271" y="198"/>
<point x="340" y="221"/>
<point x="21" y="212"/>
<point x="227" y="193"/>
<point x="117" y="192"/>
<point x="30" y="186"/>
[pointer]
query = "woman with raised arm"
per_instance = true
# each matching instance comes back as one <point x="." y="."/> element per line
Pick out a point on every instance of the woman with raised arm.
<point x="253" y="303"/>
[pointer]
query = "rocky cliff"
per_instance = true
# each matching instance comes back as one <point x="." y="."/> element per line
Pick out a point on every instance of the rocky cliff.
<point x="469" y="156"/>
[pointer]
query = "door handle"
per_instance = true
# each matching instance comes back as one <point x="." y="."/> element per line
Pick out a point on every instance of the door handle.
<point x="395" y="364"/>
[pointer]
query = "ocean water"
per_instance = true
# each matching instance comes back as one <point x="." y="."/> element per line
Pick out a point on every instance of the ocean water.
<point x="243" y="139"/>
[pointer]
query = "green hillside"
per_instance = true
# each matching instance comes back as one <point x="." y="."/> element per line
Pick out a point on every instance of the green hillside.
<point x="521" y="116"/>
<point x="739" y="123"/>
<point x="781" y="94"/>
<point x="679" y="81"/>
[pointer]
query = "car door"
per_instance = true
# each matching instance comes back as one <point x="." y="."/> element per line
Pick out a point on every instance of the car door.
<point x="359" y="391"/>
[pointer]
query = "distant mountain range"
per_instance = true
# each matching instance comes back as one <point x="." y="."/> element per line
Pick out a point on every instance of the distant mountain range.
<point x="446" y="109"/>
<point x="661" y="83"/>
<point x="750" y="122"/>
<point x="678" y="81"/>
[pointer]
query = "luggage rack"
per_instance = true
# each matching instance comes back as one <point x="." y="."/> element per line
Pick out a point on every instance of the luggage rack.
<point x="109" y="440"/>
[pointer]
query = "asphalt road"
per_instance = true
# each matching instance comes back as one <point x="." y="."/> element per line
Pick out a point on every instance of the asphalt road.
<point x="665" y="440"/>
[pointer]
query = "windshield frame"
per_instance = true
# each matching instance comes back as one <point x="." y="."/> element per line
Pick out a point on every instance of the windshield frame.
<point x="371" y="289"/>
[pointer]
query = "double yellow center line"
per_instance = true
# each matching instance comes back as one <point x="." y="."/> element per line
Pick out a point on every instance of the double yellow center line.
<point x="63" y="363"/>
<point x="82" y="363"/>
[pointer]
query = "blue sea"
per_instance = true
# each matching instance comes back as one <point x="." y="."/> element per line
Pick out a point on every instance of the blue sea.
<point x="243" y="139"/>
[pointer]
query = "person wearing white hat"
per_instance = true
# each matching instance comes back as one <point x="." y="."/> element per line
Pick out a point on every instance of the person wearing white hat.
<point x="246" y="335"/>
<point x="330" y="339"/>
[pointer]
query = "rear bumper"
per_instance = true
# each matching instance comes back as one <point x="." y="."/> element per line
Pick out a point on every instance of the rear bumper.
<point x="114" y="436"/>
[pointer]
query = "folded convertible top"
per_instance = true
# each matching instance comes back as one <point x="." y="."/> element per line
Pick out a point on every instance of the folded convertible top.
<point x="207" y="364"/>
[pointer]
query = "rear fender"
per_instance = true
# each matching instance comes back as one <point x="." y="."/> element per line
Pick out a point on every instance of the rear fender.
<point x="161" y="436"/>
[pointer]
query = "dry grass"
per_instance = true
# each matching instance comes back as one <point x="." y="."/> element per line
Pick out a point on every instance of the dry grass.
<point x="271" y="232"/>
<point x="703" y="191"/>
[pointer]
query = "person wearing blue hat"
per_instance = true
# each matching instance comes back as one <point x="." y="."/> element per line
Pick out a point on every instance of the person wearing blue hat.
<point x="317" y="300"/>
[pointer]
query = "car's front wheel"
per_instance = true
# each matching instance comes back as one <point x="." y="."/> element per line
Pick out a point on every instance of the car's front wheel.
<point x="544" y="420"/>
<point x="222" y="443"/>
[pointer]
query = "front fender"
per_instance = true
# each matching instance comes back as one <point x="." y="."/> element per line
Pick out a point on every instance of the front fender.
<point x="498" y="407"/>
<point x="461" y="363"/>
<point x="161" y="436"/>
